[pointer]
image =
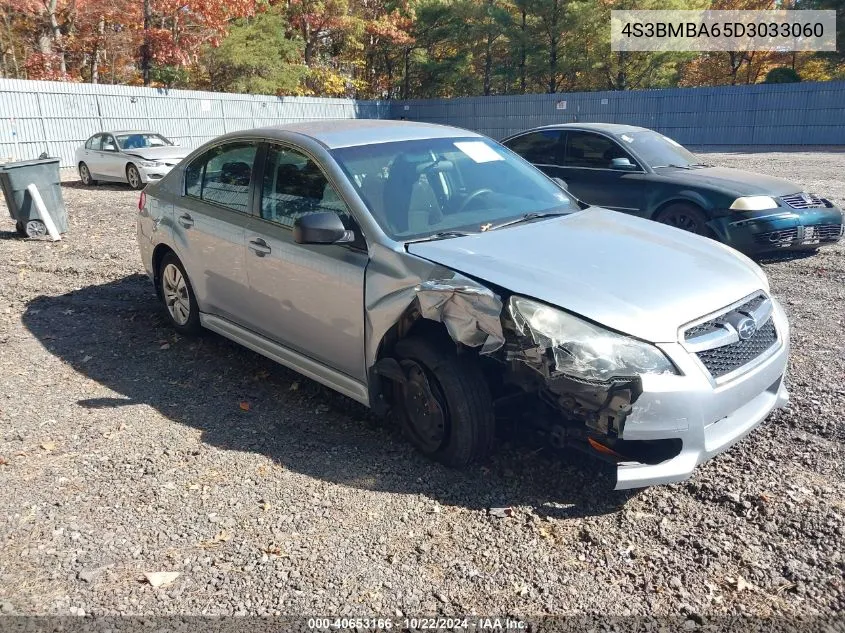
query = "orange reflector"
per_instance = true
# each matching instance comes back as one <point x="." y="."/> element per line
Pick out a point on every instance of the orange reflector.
<point x="601" y="448"/>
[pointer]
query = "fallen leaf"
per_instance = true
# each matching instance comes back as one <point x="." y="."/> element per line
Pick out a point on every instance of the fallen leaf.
<point x="87" y="358"/>
<point x="3" y="461"/>
<point x="222" y="537"/>
<point x="165" y="346"/>
<point x="244" y="406"/>
<point x="161" y="578"/>
<point x="48" y="446"/>
<point x="294" y="386"/>
<point x="544" y="532"/>
<point x="501" y="513"/>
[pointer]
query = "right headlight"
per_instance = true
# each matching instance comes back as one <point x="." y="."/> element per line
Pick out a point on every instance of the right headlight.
<point x="754" y="203"/>
<point x="582" y="349"/>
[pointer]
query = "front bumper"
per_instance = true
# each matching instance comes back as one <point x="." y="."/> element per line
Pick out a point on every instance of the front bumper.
<point x="706" y="415"/>
<point x="152" y="174"/>
<point x="781" y="229"/>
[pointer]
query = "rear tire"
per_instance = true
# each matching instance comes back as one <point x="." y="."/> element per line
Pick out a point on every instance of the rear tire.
<point x="178" y="297"/>
<point x="685" y="216"/>
<point x="445" y="409"/>
<point x="85" y="175"/>
<point x="133" y="177"/>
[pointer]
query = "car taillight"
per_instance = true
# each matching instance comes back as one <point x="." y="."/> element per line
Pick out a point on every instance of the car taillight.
<point x="142" y="201"/>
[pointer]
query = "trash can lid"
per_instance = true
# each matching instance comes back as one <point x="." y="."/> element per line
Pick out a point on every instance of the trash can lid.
<point x="28" y="163"/>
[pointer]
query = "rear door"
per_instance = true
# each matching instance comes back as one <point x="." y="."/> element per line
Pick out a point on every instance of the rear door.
<point x="587" y="169"/>
<point x="543" y="148"/>
<point x="209" y="225"/>
<point x="308" y="297"/>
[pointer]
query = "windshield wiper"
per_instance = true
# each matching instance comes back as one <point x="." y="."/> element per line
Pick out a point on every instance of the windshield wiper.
<point x="701" y="165"/>
<point x="676" y="166"/>
<point x="534" y="215"/>
<point x="443" y="235"/>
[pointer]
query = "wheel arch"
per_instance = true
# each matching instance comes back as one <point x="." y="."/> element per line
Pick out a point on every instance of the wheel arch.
<point x="683" y="197"/>
<point x="158" y="255"/>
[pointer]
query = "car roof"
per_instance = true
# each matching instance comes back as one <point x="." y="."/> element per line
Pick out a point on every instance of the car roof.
<point x="607" y="128"/>
<point x="337" y="133"/>
<point x="129" y="132"/>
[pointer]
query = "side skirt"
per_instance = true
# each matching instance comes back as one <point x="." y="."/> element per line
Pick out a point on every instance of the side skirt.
<point x="287" y="357"/>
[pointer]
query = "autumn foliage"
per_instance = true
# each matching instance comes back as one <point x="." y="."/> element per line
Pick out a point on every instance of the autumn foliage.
<point x="370" y="48"/>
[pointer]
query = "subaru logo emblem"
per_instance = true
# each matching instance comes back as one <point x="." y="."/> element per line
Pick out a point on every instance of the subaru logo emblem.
<point x="746" y="328"/>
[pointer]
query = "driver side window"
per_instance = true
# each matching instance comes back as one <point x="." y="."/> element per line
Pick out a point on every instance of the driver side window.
<point x="294" y="185"/>
<point x="585" y="149"/>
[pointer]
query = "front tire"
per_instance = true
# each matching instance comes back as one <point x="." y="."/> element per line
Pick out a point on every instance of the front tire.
<point x="85" y="175"/>
<point x="133" y="177"/>
<point x="445" y="407"/>
<point x="685" y="216"/>
<point x="178" y="297"/>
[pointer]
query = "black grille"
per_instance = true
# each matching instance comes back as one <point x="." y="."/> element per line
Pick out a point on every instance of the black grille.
<point x="723" y="360"/>
<point x="804" y="201"/>
<point x="715" y="324"/>
<point x="778" y="238"/>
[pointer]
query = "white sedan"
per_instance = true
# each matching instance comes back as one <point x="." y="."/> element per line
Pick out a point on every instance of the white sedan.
<point x="136" y="157"/>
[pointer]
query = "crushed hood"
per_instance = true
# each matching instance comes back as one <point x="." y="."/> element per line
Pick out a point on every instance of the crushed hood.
<point x="173" y="152"/>
<point x="631" y="275"/>
<point x="733" y="181"/>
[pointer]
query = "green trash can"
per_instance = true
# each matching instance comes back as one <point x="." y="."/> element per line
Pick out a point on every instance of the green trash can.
<point x="44" y="174"/>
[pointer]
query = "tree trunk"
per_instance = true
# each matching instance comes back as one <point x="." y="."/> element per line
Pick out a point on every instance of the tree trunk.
<point x="523" y="51"/>
<point x="56" y="31"/>
<point x="406" y="80"/>
<point x="488" y="63"/>
<point x="621" y="76"/>
<point x="146" y="53"/>
<point x="95" y="56"/>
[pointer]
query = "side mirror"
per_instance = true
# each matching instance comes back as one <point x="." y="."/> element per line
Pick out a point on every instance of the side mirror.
<point x="109" y="148"/>
<point x="561" y="183"/>
<point x="321" y="228"/>
<point x="624" y="164"/>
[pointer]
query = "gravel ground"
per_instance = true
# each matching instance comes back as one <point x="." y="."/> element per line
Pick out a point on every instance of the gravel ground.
<point x="125" y="449"/>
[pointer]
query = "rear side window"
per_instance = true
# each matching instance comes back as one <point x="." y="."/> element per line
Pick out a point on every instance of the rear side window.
<point x="223" y="175"/>
<point x="585" y="149"/>
<point x="295" y="186"/>
<point x="543" y="147"/>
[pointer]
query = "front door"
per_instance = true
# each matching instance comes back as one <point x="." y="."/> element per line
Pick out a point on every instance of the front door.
<point x="309" y="298"/>
<point x="588" y="170"/>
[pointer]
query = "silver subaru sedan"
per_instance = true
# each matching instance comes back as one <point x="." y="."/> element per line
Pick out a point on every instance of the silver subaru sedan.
<point x="430" y="273"/>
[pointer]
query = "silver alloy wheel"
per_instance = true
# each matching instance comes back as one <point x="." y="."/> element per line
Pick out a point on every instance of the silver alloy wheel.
<point x="176" y="296"/>
<point x="84" y="174"/>
<point x="133" y="177"/>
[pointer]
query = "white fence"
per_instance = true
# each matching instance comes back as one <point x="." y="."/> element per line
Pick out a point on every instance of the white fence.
<point x="56" y="117"/>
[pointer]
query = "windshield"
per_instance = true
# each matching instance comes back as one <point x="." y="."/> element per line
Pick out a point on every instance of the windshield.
<point x="416" y="189"/>
<point x="658" y="150"/>
<point x="141" y="140"/>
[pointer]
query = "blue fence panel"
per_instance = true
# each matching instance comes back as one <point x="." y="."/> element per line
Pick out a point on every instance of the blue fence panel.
<point x="39" y="116"/>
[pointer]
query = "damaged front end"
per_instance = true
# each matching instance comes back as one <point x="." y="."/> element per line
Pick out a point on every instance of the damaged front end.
<point x="570" y="378"/>
<point x="586" y="377"/>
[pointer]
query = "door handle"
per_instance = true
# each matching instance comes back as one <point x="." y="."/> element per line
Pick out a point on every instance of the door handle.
<point x="259" y="247"/>
<point x="186" y="220"/>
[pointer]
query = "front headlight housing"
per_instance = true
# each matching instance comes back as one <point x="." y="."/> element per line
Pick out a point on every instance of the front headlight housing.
<point x="754" y="203"/>
<point x="582" y="349"/>
<point x="151" y="163"/>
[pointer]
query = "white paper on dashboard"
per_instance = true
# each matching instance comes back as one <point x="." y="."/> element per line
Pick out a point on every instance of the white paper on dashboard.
<point x="478" y="151"/>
